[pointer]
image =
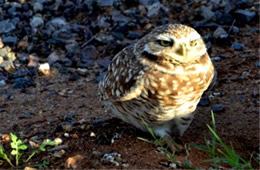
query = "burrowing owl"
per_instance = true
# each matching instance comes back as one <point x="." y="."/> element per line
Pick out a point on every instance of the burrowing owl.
<point x="159" y="79"/>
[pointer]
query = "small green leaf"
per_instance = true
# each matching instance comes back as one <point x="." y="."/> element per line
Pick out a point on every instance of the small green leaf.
<point x="23" y="147"/>
<point x="13" y="137"/>
<point x="13" y="145"/>
<point x="14" y="152"/>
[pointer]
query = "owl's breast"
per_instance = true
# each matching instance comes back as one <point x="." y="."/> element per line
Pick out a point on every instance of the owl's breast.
<point x="180" y="92"/>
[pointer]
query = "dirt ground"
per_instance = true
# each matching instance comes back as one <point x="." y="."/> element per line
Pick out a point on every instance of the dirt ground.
<point x="56" y="106"/>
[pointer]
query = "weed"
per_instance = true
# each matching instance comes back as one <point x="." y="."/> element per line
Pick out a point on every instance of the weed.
<point x="159" y="142"/>
<point x="220" y="152"/>
<point x="17" y="146"/>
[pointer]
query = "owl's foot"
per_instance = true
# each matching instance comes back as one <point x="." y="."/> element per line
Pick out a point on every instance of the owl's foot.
<point x="173" y="146"/>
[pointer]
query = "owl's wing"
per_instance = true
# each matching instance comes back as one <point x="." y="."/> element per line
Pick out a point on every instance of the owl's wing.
<point x="123" y="80"/>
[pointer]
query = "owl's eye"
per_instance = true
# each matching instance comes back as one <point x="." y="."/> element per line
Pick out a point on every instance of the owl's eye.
<point x="165" y="43"/>
<point x="193" y="43"/>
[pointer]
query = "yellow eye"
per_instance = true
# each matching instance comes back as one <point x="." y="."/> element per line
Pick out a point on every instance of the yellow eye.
<point x="165" y="43"/>
<point x="193" y="43"/>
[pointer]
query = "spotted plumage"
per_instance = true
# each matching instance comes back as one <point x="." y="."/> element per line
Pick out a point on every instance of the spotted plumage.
<point x="159" y="79"/>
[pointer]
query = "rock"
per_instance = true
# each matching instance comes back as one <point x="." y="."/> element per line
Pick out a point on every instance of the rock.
<point x="2" y="83"/>
<point x="57" y="148"/>
<point x="36" y="22"/>
<point x="74" y="77"/>
<point x="154" y="9"/>
<point x="7" y="65"/>
<point x="215" y="59"/>
<point x="223" y="18"/>
<point x="65" y="61"/>
<point x="218" y="108"/>
<point x="6" y="26"/>
<point x="44" y="69"/>
<point x="89" y="52"/>
<point x="37" y="7"/>
<point x="134" y="35"/>
<point x="105" y="3"/>
<point x="220" y="32"/>
<point x="58" y="141"/>
<point x="58" y="154"/>
<point x="112" y="157"/>
<point x="74" y="162"/>
<point x="206" y="13"/>
<point x="10" y="41"/>
<point x="148" y="2"/>
<point x="244" y="16"/>
<point x="59" y="22"/>
<point x="100" y="77"/>
<point x="21" y="73"/>
<point x="104" y="62"/>
<point x="119" y="18"/>
<point x="53" y="57"/>
<point x="257" y="64"/>
<point x="22" y="83"/>
<point x="204" y="101"/>
<point x="33" y="60"/>
<point x="72" y="48"/>
<point x="238" y="46"/>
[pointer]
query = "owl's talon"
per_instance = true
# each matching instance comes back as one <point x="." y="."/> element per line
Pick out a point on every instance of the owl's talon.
<point x="173" y="145"/>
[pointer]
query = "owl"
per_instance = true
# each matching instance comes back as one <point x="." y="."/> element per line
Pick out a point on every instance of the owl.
<point x="159" y="80"/>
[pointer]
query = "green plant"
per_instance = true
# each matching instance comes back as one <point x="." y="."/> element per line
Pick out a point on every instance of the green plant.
<point x="17" y="145"/>
<point x="220" y="152"/>
<point x="41" y="149"/>
<point x="4" y="156"/>
<point x="159" y="142"/>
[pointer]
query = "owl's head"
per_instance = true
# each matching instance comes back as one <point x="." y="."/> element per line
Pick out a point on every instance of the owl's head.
<point x="175" y="43"/>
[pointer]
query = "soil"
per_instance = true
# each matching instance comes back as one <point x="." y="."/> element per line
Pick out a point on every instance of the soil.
<point x="58" y="107"/>
<point x="56" y="103"/>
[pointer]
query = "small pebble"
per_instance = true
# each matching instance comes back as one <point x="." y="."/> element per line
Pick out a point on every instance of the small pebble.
<point x="238" y="46"/>
<point x="218" y="108"/>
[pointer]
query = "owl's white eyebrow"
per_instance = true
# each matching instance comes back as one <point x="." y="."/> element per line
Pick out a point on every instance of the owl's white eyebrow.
<point x="164" y="37"/>
<point x="194" y="36"/>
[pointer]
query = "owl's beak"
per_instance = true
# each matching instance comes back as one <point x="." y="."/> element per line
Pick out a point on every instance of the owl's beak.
<point x="182" y="50"/>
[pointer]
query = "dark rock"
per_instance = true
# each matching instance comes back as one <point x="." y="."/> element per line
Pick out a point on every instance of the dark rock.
<point x="218" y="108"/>
<point x="10" y="41"/>
<point x="215" y="59"/>
<point x="63" y="70"/>
<point x="244" y="16"/>
<point x="65" y="61"/>
<point x="6" y="26"/>
<point x="134" y="35"/>
<point x="206" y="13"/>
<point x="156" y="9"/>
<point x="147" y="2"/>
<point x="100" y="77"/>
<point x="223" y="18"/>
<point x="22" y="83"/>
<point x="204" y="101"/>
<point x="105" y="3"/>
<point x="37" y="7"/>
<point x="89" y="52"/>
<point x="104" y="62"/>
<point x="118" y="35"/>
<point x="257" y="64"/>
<point x="119" y="18"/>
<point x="21" y="73"/>
<point x="25" y="115"/>
<point x="237" y="46"/>
<point x="2" y="83"/>
<point x="36" y="22"/>
<point x="74" y="77"/>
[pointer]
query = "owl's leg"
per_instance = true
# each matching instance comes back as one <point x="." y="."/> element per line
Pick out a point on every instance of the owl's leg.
<point x="172" y="144"/>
